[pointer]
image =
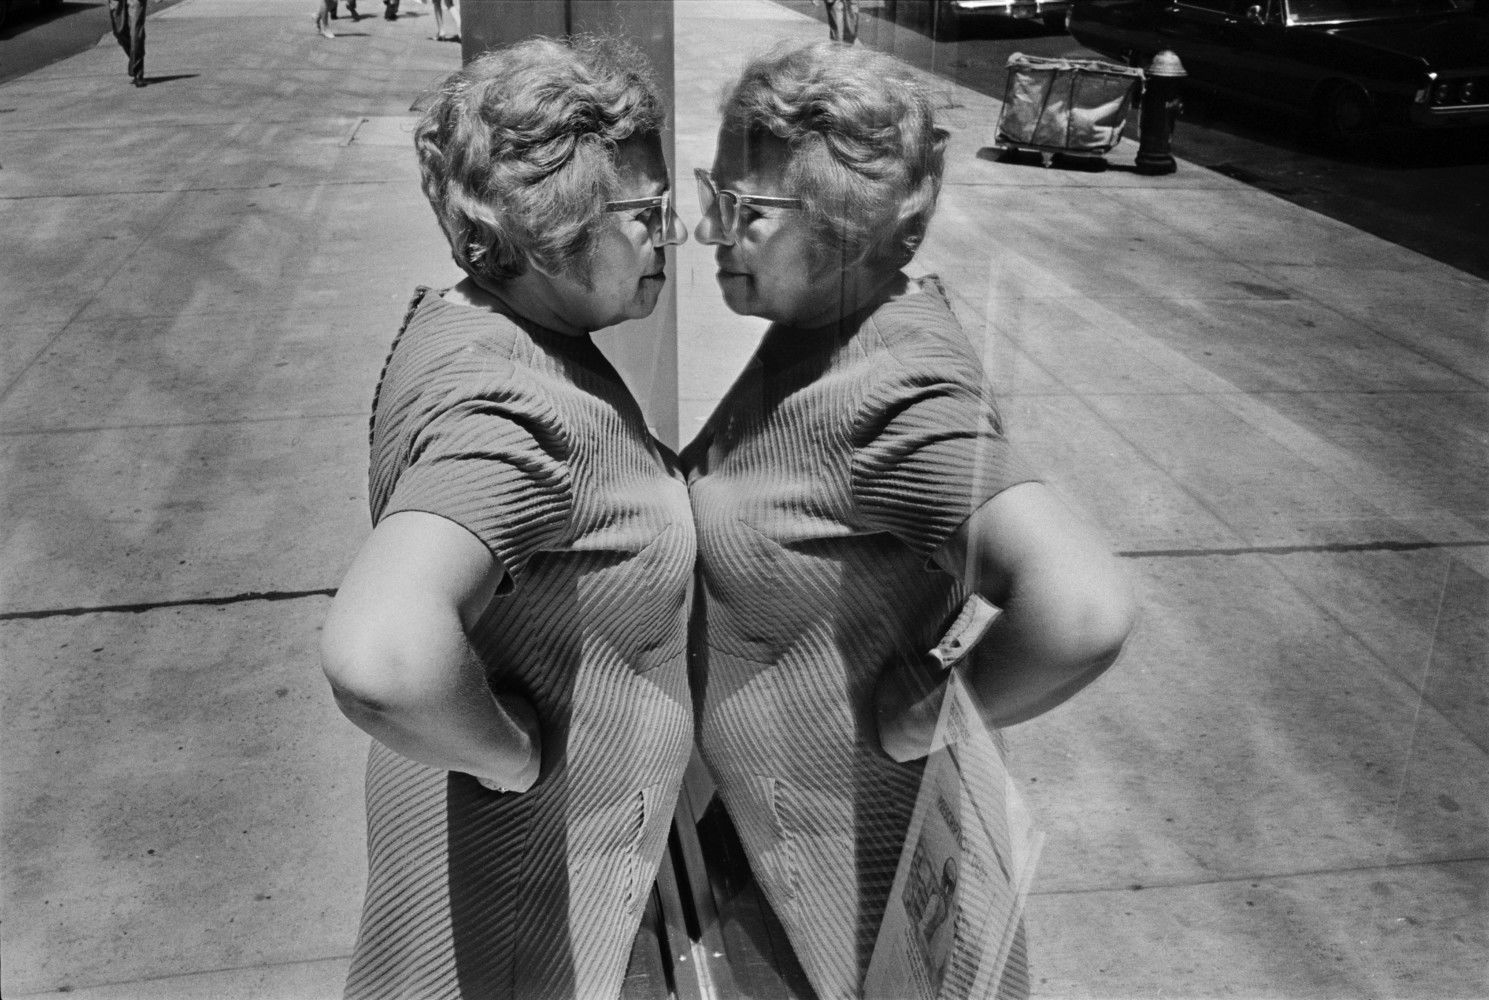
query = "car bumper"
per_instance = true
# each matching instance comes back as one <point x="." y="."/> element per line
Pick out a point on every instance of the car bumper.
<point x="1423" y="116"/>
<point x="1010" y="8"/>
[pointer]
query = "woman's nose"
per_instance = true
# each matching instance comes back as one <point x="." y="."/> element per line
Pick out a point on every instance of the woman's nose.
<point x="674" y="231"/>
<point x="710" y="230"/>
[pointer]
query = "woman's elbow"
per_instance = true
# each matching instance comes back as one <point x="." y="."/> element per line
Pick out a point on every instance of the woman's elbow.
<point x="363" y="679"/>
<point x="1099" y="620"/>
<point x="1076" y="614"/>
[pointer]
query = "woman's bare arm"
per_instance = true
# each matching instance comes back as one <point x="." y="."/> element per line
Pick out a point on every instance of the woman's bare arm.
<point x="396" y="653"/>
<point x="1067" y="610"/>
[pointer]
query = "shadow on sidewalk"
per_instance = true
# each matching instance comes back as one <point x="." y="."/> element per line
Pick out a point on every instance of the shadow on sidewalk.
<point x="151" y="81"/>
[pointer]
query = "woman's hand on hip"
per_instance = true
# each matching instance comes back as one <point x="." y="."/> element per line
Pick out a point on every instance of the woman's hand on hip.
<point x="526" y="746"/>
<point x="907" y="704"/>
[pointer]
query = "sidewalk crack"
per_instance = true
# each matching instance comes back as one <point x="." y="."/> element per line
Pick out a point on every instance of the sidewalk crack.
<point x="1288" y="550"/>
<point x="141" y="608"/>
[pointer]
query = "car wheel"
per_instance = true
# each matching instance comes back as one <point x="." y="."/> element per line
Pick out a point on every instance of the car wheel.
<point x="1344" y="114"/>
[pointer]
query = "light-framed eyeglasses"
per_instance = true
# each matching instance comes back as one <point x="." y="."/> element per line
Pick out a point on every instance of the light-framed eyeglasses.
<point x="658" y="213"/>
<point x="710" y="195"/>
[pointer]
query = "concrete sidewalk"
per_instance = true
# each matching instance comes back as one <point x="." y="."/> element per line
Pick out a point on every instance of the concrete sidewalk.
<point x="1282" y="791"/>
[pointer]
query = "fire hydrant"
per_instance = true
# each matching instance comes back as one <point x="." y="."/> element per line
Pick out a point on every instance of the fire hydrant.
<point x="1161" y="106"/>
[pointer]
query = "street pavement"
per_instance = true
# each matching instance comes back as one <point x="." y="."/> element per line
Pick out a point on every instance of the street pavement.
<point x="1282" y="789"/>
<point x="35" y="36"/>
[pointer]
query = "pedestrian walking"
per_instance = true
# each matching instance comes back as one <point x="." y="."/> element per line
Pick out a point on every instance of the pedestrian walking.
<point x="852" y="490"/>
<point x="513" y="633"/>
<point x="441" y="9"/>
<point x="325" y="12"/>
<point x="127" y="18"/>
<point x="842" y="20"/>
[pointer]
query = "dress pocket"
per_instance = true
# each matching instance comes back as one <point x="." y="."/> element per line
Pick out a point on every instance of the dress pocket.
<point x="771" y="838"/>
<point x="615" y="850"/>
<point x="648" y="841"/>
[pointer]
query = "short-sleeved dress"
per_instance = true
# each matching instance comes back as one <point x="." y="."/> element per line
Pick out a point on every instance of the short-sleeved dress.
<point x="826" y="478"/>
<point x="530" y="440"/>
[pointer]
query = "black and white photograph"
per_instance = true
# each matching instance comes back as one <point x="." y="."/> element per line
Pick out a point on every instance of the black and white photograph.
<point x="499" y="499"/>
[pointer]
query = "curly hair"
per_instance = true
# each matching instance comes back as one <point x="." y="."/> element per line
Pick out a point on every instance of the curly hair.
<point x="517" y="151"/>
<point x="866" y="156"/>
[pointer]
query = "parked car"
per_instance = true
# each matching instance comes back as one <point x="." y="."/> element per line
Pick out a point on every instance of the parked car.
<point x="947" y="18"/>
<point x="1354" y="66"/>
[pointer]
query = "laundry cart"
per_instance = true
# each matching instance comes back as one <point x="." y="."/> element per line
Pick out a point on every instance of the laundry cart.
<point x="1075" y="107"/>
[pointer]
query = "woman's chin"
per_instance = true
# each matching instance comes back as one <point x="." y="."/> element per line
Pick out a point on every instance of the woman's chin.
<point x="644" y="302"/>
<point x="738" y="292"/>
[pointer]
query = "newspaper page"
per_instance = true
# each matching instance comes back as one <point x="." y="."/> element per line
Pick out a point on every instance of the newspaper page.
<point x="955" y="912"/>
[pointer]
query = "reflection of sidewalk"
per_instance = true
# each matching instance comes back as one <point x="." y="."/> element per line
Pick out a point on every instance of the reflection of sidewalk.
<point x="1278" y="418"/>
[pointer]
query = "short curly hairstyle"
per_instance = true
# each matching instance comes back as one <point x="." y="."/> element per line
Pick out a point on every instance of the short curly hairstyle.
<point x="866" y="156"/>
<point x="517" y="151"/>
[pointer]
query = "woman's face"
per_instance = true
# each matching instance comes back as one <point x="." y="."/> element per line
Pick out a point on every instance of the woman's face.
<point x="627" y="271"/>
<point x="767" y="265"/>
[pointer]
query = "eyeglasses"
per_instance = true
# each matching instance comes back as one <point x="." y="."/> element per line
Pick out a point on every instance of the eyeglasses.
<point x="728" y="202"/>
<point x="658" y="213"/>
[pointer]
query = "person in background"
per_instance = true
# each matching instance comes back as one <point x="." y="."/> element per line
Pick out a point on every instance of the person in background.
<point x="513" y="631"/>
<point x="325" y="12"/>
<point x="842" y="20"/>
<point x="441" y="9"/>
<point x="852" y="490"/>
<point x="127" y="19"/>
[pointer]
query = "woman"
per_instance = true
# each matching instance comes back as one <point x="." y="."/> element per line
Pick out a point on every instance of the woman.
<point x="512" y="633"/>
<point x="851" y="491"/>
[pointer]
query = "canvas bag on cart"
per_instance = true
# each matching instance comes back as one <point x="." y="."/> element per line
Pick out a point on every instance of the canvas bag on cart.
<point x="1065" y="105"/>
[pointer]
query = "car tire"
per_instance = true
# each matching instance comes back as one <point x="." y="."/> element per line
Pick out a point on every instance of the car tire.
<point x="1344" y="114"/>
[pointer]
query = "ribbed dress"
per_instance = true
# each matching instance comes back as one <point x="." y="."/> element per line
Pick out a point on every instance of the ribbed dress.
<point x="826" y="478"/>
<point x="530" y="440"/>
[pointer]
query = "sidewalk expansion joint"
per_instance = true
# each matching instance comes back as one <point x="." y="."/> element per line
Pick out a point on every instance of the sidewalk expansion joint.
<point x="179" y="424"/>
<point x="1258" y="877"/>
<point x="187" y="602"/>
<point x="1288" y="550"/>
<point x="351" y="135"/>
<point x="180" y="977"/>
<point x="130" y="192"/>
<point x="295" y="595"/>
